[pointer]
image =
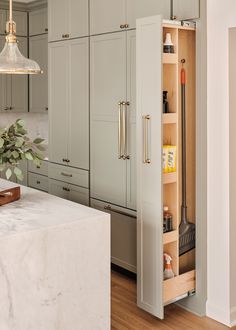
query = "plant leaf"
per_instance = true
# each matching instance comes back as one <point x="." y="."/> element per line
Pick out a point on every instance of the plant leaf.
<point x="38" y="140"/>
<point x="8" y="173"/>
<point x="28" y="156"/>
<point x="1" y="142"/>
<point x="15" y="154"/>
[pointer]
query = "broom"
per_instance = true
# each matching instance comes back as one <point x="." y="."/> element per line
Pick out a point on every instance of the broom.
<point x="186" y="228"/>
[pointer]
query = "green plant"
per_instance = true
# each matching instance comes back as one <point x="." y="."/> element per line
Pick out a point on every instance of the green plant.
<point x="15" y="146"/>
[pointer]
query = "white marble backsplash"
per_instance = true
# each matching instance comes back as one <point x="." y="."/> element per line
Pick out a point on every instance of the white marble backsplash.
<point x="36" y="123"/>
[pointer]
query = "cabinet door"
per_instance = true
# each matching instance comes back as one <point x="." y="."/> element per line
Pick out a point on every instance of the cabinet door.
<point x="3" y="21"/>
<point x="17" y="85"/>
<point x="143" y="8"/>
<point x="58" y="188"/>
<point x="58" y="101"/>
<point x="131" y="119"/>
<point x="149" y="165"/>
<point x="3" y="83"/>
<point x="38" y="22"/>
<point x="78" y="195"/>
<point x="21" y="19"/>
<point x="123" y="235"/>
<point x="78" y="18"/>
<point x="184" y="10"/>
<point x="38" y="50"/>
<point x="78" y="130"/>
<point x="107" y="89"/>
<point x="38" y="182"/>
<point x="57" y="19"/>
<point x="107" y="15"/>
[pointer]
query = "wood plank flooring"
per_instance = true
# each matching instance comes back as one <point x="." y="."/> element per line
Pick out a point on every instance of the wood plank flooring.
<point x="127" y="316"/>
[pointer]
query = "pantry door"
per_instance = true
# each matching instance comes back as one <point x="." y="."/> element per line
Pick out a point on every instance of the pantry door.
<point x="149" y="166"/>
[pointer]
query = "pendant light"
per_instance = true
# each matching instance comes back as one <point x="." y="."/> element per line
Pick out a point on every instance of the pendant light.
<point x="11" y="59"/>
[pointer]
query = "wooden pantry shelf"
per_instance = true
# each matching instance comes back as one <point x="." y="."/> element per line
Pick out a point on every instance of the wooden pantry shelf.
<point x="170" y="58"/>
<point x="170" y="118"/>
<point x="170" y="237"/>
<point x="169" y="178"/>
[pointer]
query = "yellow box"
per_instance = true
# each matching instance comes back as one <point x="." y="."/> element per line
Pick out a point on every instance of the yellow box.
<point x="172" y="159"/>
<point x="165" y="158"/>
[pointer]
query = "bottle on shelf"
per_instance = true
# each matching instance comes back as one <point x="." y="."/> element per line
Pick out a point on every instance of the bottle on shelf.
<point x="168" y="272"/>
<point x="165" y="102"/>
<point x="167" y="220"/>
<point x="168" y="44"/>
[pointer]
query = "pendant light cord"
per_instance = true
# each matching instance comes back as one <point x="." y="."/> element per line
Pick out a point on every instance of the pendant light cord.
<point x="10" y="10"/>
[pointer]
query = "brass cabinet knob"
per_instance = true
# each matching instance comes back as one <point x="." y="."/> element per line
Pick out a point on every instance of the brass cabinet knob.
<point x="46" y="108"/>
<point x="122" y="26"/>
<point x="66" y="189"/>
<point x="66" y="35"/>
<point x="174" y="17"/>
<point x="38" y="182"/>
<point x="126" y="26"/>
<point x="46" y="29"/>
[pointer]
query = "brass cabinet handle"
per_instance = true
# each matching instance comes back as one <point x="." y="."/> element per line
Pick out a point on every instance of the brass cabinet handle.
<point x="126" y="156"/>
<point x="38" y="182"/>
<point x="6" y="108"/>
<point x="126" y="26"/>
<point x="67" y="174"/>
<point x="46" y="108"/>
<point x="109" y="208"/>
<point x="66" y="189"/>
<point x="65" y="160"/>
<point x="173" y="18"/>
<point x="146" y="121"/>
<point x="38" y="166"/>
<point x="122" y="26"/>
<point x="120" y="129"/>
<point x="46" y="29"/>
<point x="65" y="35"/>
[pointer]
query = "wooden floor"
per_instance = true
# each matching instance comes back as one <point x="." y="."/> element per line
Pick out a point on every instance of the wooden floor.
<point x="126" y="315"/>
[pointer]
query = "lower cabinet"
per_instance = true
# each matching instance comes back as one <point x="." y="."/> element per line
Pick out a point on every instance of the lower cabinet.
<point x="37" y="181"/>
<point x="69" y="191"/>
<point x="123" y="234"/>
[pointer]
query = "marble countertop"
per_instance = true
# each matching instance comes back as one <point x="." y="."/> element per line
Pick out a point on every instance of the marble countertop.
<point x="38" y="210"/>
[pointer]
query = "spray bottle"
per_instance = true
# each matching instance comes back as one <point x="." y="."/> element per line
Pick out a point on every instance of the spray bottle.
<point x="168" y="272"/>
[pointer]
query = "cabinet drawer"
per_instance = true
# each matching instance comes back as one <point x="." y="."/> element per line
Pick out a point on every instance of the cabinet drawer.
<point x="123" y="234"/>
<point x="68" y="191"/>
<point x="42" y="169"/>
<point x="37" y="181"/>
<point x="69" y="174"/>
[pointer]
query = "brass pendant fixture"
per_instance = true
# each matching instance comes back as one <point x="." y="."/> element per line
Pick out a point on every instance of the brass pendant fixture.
<point x="11" y="59"/>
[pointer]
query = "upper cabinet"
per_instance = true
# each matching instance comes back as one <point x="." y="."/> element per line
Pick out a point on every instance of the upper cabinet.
<point x="123" y="13"/>
<point x="38" y="22"/>
<point x="184" y="10"/>
<point x="19" y="17"/>
<point x="140" y="8"/>
<point x="67" y="19"/>
<point x="38" y="50"/>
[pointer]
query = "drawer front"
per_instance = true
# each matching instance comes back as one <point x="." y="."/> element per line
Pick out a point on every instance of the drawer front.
<point x="123" y="234"/>
<point x="37" y="181"/>
<point x="41" y="169"/>
<point x="68" y="174"/>
<point x="68" y="191"/>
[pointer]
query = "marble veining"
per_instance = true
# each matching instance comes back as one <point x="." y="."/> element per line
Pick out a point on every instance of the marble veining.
<point x="54" y="265"/>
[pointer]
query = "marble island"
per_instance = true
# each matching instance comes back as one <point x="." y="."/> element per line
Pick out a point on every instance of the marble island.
<point x="54" y="264"/>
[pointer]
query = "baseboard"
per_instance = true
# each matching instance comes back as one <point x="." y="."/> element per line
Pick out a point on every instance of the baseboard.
<point x="233" y="316"/>
<point x="218" y="314"/>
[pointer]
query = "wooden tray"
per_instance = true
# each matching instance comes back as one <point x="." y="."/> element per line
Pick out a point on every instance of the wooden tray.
<point x="9" y="195"/>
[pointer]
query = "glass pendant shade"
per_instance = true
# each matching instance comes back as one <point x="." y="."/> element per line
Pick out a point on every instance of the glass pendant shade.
<point x="13" y="62"/>
<point x="11" y="59"/>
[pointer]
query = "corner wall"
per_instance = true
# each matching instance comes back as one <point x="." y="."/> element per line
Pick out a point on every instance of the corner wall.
<point x="221" y="15"/>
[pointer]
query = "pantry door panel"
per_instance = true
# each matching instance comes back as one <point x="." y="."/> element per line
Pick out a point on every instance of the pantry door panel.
<point x="149" y="166"/>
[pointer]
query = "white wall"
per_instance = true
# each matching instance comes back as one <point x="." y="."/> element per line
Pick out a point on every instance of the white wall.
<point x="221" y="15"/>
<point x="232" y="162"/>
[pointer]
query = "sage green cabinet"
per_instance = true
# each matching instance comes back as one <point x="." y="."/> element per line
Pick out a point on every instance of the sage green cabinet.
<point x="69" y="191"/>
<point x="67" y="19"/>
<point x="38" y="50"/>
<point x="14" y="88"/>
<point x="186" y="9"/>
<point x="115" y="15"/>
<point x="112" y="79"/>
<point x="69" y="103"/>
<point x="38" y="22"/>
